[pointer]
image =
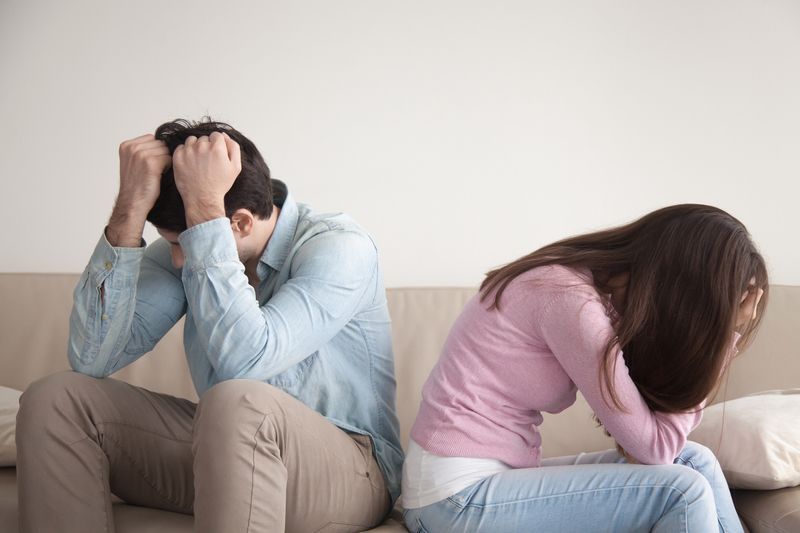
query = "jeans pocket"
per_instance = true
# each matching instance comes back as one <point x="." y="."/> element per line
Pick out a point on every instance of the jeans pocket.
<point x="371" y="467"/>
<point x="462" y="498"/>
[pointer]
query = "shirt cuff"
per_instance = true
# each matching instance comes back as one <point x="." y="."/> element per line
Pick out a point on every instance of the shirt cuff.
<point x="115" y="265"/>
<point x="208" y="244"/>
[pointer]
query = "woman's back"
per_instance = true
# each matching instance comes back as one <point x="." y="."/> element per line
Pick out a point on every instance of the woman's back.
<point x="501" y="367"/>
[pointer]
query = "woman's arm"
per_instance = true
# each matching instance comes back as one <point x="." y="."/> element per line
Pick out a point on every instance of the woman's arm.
<point x="576" y="328"/>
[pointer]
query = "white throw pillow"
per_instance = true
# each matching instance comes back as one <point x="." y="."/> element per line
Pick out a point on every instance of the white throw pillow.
<point x="9" y="405"/>
<point x="756" y="439"/>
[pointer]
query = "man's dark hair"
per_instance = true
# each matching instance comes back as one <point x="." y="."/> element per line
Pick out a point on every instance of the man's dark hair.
<point x="252" y="189"/>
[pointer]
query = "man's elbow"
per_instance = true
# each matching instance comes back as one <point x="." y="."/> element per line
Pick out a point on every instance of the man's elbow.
<point x="86" y="369"/>
<point x="238" y="367"/>
<point x="227" y="371"/>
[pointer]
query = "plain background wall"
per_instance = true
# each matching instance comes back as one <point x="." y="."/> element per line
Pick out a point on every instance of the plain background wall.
<point x="461" y="134"/>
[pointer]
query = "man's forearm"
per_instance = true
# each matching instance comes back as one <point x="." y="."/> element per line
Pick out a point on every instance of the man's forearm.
<point x="141" y="162"/>
<point x="125" y="227"/>
<point x="103" y="308"/>
<point x="199" y="211"/>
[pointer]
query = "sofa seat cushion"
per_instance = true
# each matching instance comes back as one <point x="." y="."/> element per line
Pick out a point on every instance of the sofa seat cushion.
<point x="131" y="518"/>
<point x="8" y="499"/>
<point x="134" y="519"/>
<point x="9" y="405"/>
<point x="769" y="511"/>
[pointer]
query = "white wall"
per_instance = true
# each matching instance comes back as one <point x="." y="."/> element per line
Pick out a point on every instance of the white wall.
<point x="461" y="134"/>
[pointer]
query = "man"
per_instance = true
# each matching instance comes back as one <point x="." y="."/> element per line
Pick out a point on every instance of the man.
<point x="287" y="338"/>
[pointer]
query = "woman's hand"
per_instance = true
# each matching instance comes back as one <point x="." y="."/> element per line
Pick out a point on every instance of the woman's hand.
<point x="748" y="305"/>
<point x="626" y="455"/>
<point x="628" y="458"/>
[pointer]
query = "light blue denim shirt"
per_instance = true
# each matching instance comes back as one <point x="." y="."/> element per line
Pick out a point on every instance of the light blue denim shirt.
<point x="317" y="327"/>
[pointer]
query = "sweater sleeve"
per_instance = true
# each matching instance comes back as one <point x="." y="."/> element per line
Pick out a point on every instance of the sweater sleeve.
<point x="576" y="328"/>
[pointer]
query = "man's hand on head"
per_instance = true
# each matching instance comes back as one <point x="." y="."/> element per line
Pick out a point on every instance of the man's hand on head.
<point x="141" y="162"/>
<point x="205" y="169"/>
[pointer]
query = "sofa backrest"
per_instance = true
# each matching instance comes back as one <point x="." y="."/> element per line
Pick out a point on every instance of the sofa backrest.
<point x="34" y="312"/>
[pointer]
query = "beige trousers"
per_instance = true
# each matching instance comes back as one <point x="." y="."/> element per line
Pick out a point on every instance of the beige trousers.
<point x="248" y="458"/>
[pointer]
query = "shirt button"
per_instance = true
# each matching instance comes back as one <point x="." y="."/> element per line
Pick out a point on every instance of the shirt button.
<point x="104" y="317"/>
<point x="108" y="265"/>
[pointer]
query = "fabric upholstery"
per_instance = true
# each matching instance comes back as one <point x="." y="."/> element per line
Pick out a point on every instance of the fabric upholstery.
<point x="769" y="511"/>
<point x="33" y="328"/>
<point x="9" y="405"/>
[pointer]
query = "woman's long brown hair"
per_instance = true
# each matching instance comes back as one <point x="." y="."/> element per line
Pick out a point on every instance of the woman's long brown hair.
<point x="689" y="267"/>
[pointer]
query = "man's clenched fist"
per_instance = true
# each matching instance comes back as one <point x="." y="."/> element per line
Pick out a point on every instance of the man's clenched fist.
<point x="205" y="169"/>
<point x="141" y="162"/>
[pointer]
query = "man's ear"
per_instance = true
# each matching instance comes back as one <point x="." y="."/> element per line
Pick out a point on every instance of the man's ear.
<point x="242" y="222"/>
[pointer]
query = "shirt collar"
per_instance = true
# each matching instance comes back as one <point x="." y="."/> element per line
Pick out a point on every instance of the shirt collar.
<point x="282" y="238"/>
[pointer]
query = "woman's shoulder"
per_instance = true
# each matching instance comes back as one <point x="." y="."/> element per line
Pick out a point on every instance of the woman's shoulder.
<point x="555" y="279"/>
<point x="535" y="290"/>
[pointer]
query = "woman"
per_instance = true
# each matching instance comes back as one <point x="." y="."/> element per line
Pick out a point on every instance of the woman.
<point x="642" y="320"/>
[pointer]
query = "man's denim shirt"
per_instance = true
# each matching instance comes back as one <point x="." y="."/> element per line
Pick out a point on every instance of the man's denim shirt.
<point x="318" y="327"/>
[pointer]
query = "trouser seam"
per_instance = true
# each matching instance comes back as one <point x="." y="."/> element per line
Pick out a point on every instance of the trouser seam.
<point x="683" y="497"/>
<point x="101" y="477"/>
<point x="686" y="513"/>
<point x="253" y="471"/>
<point x="688" y="463"/>
<point x="143" y="430"/>
<point x="573" y="493"/>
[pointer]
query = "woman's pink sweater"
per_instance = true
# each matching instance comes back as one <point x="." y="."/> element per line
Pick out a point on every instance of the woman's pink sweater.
<point x="500" y="369"/>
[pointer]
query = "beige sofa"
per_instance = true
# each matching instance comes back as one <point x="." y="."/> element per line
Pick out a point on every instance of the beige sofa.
<point x="33" y="334"/>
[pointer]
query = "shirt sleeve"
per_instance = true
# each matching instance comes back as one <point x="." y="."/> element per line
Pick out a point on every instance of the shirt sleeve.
<point x="125" y="302"/>
<point x="330" y="275"/>
<point x="576" y="328"/>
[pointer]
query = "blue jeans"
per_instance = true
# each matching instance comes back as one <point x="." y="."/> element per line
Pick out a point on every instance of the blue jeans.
<point x="591" y="492"/>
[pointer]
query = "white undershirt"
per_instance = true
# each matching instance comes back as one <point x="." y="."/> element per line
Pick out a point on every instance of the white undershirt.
<point x="429" y="478"/>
